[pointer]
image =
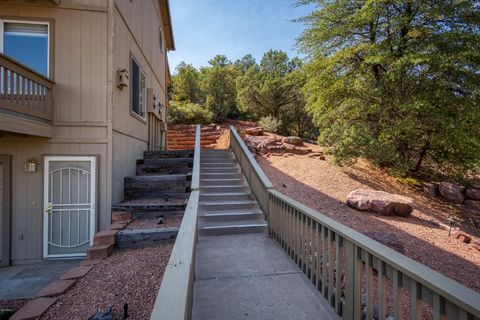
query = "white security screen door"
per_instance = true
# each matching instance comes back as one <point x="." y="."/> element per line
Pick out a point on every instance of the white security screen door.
<point x="70" y="205"/>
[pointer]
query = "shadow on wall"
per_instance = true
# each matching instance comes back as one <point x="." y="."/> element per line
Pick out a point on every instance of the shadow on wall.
<point x="415" y="247"/>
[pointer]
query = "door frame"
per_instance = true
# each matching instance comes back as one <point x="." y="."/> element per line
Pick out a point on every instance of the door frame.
<point x="93" y="205"/>
<point x="6" y="211"/>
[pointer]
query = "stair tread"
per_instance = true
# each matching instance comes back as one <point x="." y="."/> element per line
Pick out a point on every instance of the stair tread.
<point x="223" y="202"/>
<point x="230" y="213"/>
<point x="225" y="186"/>
<point x="232" y="224"/>
<point x="222" y="194"/>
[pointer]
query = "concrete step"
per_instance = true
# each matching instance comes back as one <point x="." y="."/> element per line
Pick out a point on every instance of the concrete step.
<point x="217" y="160"/>
<point x="222" y="175"/>
<point x="225" y="188"/>
<point x="254" y="214"/>
<point x="219" y="165"/>
<point x="212" y="206"/>
<point x="221" y="182"/>
<point x="150" y="208"/>
<point x="220" y="170"/>
<point x="232" y="227"/>
<point x="224" y="196"/>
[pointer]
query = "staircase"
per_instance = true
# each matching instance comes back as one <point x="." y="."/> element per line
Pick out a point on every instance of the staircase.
<point x="161" y="185"/>
<point x="227" y="205"/>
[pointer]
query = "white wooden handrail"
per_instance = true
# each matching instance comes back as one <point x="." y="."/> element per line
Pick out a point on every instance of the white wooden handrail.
<point x="174" y="298"/>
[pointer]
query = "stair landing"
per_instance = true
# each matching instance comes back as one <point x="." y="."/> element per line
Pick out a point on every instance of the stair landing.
<point x="249" y="276"/>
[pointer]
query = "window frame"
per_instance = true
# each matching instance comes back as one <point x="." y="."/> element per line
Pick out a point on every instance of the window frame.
<point x="141" y="72"/>
<point x="50" y="34"/>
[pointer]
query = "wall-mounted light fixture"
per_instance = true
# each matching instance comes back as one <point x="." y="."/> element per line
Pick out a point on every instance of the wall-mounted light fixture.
<point x="122" y="80"/>
<point x="31" y="165"/>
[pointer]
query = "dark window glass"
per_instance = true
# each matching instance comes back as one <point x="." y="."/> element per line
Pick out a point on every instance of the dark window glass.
<point x="139" y="92"/>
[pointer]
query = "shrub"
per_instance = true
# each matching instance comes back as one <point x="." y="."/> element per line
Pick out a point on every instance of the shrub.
<point x="188" y="113"/>
<point x="270" y="124"/>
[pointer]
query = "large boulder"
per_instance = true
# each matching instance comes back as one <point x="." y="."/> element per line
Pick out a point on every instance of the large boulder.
<point x="254" y="131"/>
<point x="379" y="201"/>
<point x="452" y="192"/>
<point x="473" y="193"/>
<point x="430" y="188"/>
<point x="296" y="141"/>
<point x="473" y="204"/>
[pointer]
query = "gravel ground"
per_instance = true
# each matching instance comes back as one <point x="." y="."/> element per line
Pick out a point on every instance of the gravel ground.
<point x="169" y="221"/>
<point x="130" y="276"/>
<point x="12" y="304"/>
<point x="324" y="187"/>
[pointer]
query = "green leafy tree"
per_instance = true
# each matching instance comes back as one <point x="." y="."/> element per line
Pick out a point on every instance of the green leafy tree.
<point x="295" y="118"/>
<point x="242" y="65"/>
<point x="185" y="112"/>
<point x="263" y="90"/>
<point x="396" y="81"/>
<point x="218" y="82"/>
<point x="186" y="84"/>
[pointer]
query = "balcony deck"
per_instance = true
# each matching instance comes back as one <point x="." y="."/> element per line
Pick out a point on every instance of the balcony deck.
<point x="26" y="99"/>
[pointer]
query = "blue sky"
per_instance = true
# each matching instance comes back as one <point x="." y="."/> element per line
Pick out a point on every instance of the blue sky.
<point x="204" y="28"/>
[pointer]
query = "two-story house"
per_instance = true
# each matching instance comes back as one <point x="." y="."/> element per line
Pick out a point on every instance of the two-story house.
<point x="83" y="87"/>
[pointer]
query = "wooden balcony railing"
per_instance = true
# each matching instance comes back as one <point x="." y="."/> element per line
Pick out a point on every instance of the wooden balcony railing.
<point x="355" y="274"/>
<point x="25" y="91"/>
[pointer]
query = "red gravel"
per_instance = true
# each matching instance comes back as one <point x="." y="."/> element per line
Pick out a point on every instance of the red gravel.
<point x="168" y="222"/>
<point x="12" y="304"/>
<point x="130" y="276"/>
<point x="324" y="187"/>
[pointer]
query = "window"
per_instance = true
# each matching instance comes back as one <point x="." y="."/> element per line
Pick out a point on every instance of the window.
<point x="26" y="42"/>
<point x="139" y="90"/>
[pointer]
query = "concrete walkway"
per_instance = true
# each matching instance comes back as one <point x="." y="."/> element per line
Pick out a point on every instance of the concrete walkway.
<point x="27" y="280"/>
<point x="248" y="276"/>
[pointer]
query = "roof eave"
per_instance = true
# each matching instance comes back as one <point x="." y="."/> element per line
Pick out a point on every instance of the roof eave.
<point x="167" y="24"/>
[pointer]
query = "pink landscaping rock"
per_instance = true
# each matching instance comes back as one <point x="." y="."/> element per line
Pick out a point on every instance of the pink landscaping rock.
<point x="379" y="201"/>
<point x="296" y="141"/>
<point x="472" y="204"/>
<point x="452" y="192"/>
<point x="430" y="188"/>
<point x="473" y="193"/>
<point x="254" y="131"/>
